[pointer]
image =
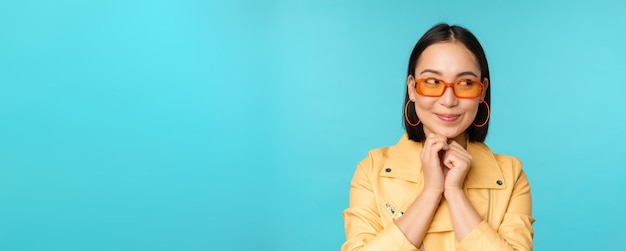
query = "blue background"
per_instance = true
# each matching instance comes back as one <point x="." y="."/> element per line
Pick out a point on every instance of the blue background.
<point x="237" y="125"/>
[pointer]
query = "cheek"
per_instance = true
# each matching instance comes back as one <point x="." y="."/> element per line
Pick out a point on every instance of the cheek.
<point x="471" y="108"/>
<point x="424" y="104"/>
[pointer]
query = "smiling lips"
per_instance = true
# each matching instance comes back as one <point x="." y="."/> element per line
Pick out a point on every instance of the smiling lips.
<point x="448" y="117"/>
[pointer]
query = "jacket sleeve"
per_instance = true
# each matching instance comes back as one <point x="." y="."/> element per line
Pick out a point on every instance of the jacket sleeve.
<point x="515" y="231"/>
<point x="363" y="226"/>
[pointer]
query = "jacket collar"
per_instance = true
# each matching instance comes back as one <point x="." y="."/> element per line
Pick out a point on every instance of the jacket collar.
<point x="404" y="163"/>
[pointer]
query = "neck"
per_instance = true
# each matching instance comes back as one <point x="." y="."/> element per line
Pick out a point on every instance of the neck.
<point x="461" y="139"/>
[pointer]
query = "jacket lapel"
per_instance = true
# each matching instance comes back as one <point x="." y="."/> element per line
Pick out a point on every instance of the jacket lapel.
<point x="404" y="161"/>
<point x="485" y="171"/>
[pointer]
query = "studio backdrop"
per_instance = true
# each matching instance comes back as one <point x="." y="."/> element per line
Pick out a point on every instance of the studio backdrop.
<point x="237" y="125"/>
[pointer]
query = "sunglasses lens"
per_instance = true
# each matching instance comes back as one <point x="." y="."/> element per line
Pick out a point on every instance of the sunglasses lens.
<point x="430" y="87"/>
<point x="472" y="90"/>
<point x="430" y="90"/>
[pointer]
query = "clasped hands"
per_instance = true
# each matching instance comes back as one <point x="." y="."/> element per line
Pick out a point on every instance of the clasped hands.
<point x="445" y="164"/>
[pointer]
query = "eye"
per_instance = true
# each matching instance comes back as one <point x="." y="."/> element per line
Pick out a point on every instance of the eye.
<point x="465" y="82"/>
<point x="432" y="81"/>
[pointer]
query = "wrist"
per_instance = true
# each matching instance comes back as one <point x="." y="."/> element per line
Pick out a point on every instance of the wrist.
<point x="433" y="191"/>
<point x="453" y="191"/>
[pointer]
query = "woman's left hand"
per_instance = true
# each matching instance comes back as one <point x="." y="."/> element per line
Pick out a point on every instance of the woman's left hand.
<point x="457" y="162"/>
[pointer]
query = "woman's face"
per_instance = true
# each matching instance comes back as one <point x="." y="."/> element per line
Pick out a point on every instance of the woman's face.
<point x="447" y="115"/>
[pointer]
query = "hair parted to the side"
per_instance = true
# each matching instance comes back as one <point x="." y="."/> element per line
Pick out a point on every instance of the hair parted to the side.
<point x="442" y="33"/>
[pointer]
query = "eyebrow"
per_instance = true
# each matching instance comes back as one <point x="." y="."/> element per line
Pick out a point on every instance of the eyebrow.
<point x="471" y="73"/>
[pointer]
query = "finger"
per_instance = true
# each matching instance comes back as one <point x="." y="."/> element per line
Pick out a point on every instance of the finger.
<point x="462" y="152"/>
<point x="432" y="147"/>
<point x="433" y="144"/>
<point x="456" y="157"/>
<point x="450" y="160"/>
<point x="438" y="141"/>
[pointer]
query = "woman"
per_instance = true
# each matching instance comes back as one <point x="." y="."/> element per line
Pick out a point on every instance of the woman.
<point x="440" y="187"/>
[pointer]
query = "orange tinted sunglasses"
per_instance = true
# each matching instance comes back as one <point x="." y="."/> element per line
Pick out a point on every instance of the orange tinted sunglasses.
<point x="463" y="88"/>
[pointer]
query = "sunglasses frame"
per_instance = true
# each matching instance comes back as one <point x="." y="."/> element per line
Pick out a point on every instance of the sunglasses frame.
<point x="446" y="85"/>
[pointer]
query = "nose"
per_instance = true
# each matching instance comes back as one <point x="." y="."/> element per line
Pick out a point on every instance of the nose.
<point x="448" y="99"/>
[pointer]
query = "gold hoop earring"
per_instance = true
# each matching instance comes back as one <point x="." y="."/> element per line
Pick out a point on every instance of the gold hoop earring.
<point x="406" y="115"/>
<point x="488" y="115"/>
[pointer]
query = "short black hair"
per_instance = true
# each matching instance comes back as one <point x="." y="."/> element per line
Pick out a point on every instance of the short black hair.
<point x="442" y="33"/>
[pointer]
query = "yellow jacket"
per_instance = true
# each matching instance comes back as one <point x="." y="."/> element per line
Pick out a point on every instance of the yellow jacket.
<point x="389" y="179"/>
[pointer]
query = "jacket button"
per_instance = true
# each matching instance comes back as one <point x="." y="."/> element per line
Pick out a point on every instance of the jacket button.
<point x="499" y="182"/>
<point x="387" y="170"/>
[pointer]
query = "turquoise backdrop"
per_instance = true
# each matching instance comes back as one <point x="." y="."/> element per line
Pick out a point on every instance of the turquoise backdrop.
<point x="237" y="125"/>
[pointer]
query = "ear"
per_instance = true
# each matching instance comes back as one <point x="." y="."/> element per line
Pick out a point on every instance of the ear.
<point x="485" y="86"/>
<point x="410" y="85"/>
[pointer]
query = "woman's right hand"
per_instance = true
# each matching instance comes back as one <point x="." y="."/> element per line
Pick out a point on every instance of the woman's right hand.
<point x="431" y="162"/>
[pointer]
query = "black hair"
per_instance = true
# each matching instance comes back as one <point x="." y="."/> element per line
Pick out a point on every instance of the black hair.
<point x="443" y="33"/>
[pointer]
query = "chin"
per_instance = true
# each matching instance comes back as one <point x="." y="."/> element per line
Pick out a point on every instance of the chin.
<point x="450" y="134"/>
